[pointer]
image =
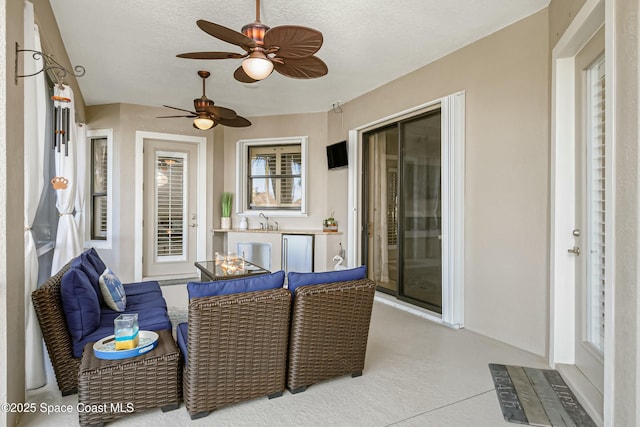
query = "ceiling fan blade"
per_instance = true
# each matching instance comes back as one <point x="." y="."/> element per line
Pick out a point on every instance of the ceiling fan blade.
<point x="181" y="109"/>
<point x="226" y="34"/>
<point x="302" y="68"/>
<point x="293" y="41"/>
<point x="237" y="122"/>
<point x="242" y="77"/>
<point x="170" y="117"/>
<point x="211" y="55"/>
<point x="221" y="112"/>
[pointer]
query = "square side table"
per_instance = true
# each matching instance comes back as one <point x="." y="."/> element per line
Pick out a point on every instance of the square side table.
<point x="110" y="389"/>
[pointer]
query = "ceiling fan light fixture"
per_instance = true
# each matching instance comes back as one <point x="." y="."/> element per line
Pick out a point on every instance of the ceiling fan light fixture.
<point x="203" y="122"/>
<point x="255" y="31"/>
<point x="257" y="65"/>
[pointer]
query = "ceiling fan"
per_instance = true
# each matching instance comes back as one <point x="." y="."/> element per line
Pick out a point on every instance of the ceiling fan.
<point x="289" y="49"/>
<point x="208" y="115"/>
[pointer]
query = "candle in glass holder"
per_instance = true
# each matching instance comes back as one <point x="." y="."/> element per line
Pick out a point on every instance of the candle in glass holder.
<point x="126" y="331"/>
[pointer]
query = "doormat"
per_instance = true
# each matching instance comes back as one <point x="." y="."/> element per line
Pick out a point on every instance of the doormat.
<point x="537" y="397"/>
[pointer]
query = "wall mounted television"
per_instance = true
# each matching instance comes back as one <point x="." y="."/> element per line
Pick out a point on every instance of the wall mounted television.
<point x="337" y="155"/>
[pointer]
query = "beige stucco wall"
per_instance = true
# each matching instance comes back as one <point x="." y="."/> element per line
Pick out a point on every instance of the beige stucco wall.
<point x="126" y="120"/>
<point x="12" y="340"/>
<point x="625" y="378"/>
<point x="506" y="80"/>
<point x="561" y="13"/>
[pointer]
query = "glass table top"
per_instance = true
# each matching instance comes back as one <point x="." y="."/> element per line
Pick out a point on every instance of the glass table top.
<point x="216" y="270"/>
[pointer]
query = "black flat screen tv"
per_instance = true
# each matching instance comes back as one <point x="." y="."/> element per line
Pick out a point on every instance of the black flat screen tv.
<point x="337" y="155"/>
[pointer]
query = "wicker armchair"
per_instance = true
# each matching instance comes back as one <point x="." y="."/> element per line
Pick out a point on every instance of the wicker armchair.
<point x="48" y="307"/>
<point x="237" y="349"/>
<point x="329" y="331"/>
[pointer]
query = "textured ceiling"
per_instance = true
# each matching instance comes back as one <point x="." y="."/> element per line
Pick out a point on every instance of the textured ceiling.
<point x="129" y="47"/>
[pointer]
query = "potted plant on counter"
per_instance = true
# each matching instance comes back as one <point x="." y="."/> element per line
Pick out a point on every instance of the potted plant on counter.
<point x="225" y="221"/>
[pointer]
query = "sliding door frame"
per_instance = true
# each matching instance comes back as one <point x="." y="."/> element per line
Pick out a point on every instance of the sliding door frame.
<point x="453" y="162"/>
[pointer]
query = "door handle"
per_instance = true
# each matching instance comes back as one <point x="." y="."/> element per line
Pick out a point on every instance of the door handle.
<point x="285" y="253"/>
<point x="194" y="225"/>
<point x="574" y="250"/>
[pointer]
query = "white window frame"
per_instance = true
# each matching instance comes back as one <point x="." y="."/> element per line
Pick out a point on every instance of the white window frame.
<point x="88" y="214"/>
<point x="242" y="176"/>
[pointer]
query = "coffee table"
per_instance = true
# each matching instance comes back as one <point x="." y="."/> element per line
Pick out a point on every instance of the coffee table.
<point x="110" y="389"/>
<point x="211" y="270"/>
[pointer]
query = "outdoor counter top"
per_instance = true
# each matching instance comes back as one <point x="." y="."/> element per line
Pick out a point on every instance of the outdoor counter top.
<point x="281" y="231"/>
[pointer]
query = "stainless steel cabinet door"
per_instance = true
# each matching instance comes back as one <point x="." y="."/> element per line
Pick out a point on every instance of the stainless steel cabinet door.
<point x="297" y="253"/>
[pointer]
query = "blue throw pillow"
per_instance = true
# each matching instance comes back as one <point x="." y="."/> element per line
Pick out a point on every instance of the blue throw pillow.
<point x="261" y="282"/>
<point x="95" y="259"/>
<point x="79" y="303"/>
<point x="303" y="279"/>
<point x="82" y="262"/>
<point x="113" y="291"/>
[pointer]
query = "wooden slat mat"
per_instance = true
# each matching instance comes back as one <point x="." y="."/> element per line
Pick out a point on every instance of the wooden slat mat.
<point x="537" y="397"/>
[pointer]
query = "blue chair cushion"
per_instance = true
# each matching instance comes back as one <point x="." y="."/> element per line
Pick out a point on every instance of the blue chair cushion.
<point x="182" y="334"/>
<point x="138" y="303"/>
<point x="113" y="291"/>
<point x="79" y="303"/>
<point x="304" y="279"/>
<point x="142" y="288"/>
<point x="95" y="259"/>
<point x="261" y="282"/>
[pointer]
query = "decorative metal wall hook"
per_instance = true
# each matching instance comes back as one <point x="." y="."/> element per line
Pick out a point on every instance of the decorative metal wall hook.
<point x="50" y="64"/>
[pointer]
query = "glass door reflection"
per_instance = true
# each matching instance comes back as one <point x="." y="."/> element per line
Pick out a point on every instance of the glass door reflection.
<point x="420" y="211"/>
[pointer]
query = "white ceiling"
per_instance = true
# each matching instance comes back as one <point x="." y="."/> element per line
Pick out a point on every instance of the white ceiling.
<point x="129" y="47"/>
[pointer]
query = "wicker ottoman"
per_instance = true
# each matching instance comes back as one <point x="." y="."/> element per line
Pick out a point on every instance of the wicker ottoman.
<point x="110" y="389"/>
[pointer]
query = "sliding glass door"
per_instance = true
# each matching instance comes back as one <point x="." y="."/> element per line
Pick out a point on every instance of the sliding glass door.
<point x="420" y="211"/>
<point x="403" y="212"/>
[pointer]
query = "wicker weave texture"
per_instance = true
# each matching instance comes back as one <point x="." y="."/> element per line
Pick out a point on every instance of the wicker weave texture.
<point x="237" y="348"/>
<point x="110" y="389"/>
<point x="47" y="303"/>
<point x="329" y="331"/>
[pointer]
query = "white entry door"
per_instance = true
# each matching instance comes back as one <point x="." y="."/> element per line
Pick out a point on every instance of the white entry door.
<point x="170" y="218"/>
<point x="591" y="211"/>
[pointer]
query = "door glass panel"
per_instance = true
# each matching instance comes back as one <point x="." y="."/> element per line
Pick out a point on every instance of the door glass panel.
<point x="382" y="201"/>
<point x="596" y="205"/>
<point x="421" y="236"/>
<point x="170" y="207"/>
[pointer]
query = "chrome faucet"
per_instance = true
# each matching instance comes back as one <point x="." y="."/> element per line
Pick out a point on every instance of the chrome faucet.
<point x="266" y="218"/>
<point x="277" y="226"/>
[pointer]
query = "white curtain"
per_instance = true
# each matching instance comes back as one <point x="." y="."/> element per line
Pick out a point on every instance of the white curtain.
<point x="81" y="175"/>
<point x="68" y="242"/>
<point x="35" y="111"/>
<point x="380" y="205"/>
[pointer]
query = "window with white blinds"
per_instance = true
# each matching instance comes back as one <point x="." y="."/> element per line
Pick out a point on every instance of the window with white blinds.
<point x="596" y="204"/>
<point x="170" y="212"/>
<point x="99" y="188"/>
<point x="271" y="176"/>
<point x="275" y="177"/>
